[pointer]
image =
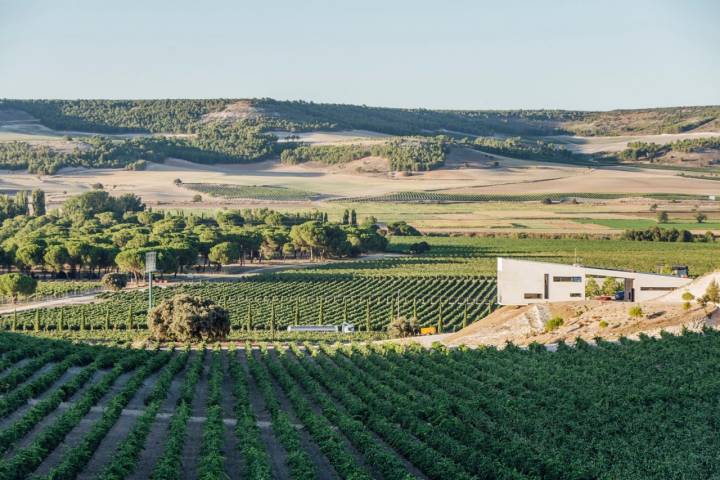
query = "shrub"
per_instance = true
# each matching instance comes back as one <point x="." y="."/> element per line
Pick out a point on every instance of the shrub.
<point x="687" y="296"/>
<point x="603" y="324"/>
<point x="97" y="186"/>
<point x="402" y="327"/>
<point x="686" y="306"/>
<point x="713" y="292"/>
<point x="114" y="281"/>
<point x="197" y="198"/>
<point x="188" y="318"/>
<point x="554" y="324"/>
<point x="592" y="289"/>
<point x="635" y="312"/>
<point x="663" y="217"/>
<point x="419" y="247"/>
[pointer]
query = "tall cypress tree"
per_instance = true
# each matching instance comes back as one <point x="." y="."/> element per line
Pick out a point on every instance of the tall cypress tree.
<point x="367" y="314"/>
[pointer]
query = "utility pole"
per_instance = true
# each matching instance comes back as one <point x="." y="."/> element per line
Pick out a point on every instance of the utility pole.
<point x="150" y="267"/>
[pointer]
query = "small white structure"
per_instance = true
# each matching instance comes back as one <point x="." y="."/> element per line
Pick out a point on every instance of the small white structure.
<point x="344" y="328"/>
<point x="522" y="282"/>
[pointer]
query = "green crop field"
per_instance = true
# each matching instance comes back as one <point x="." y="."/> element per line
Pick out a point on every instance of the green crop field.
<point x="281" y="300"/>
<point x="251" y="192"/>
<point x="361" y="412"/>
<point x="628" y="224"/>
<point x="439" y="197"/>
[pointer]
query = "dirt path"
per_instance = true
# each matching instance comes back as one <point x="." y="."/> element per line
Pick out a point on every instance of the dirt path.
<point x="124" y="424"/>
<point x="82" y="428"/>
<point x="193" y="439"/>
<point x="322" y="465"/>
<point x="155" y="442"/>
<point x="55" y="302"/>
<point x="234" y="464"/>
<point x="278" y="455"/>
<point x="17" y="414"/>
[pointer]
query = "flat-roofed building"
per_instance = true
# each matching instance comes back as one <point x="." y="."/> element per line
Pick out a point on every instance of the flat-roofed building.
<point x="521" y="282"/>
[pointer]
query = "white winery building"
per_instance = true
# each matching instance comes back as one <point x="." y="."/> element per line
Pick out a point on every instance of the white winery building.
<point x="521" y="282"/>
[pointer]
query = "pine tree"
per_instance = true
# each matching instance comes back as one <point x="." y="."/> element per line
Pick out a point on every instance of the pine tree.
<point x="353" y="218"/>
<point x="346" y="217"/>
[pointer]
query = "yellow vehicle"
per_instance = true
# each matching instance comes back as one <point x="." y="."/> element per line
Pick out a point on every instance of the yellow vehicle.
<point x="428" y="330"/>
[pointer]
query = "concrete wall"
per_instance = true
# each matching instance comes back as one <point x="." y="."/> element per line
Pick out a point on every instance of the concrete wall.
<point x="519" y="278"/>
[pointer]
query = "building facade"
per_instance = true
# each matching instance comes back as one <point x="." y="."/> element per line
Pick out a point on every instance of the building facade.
<point x="522" y="282"/>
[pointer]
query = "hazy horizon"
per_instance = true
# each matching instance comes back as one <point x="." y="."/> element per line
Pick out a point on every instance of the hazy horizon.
<point x="463" y="55"/>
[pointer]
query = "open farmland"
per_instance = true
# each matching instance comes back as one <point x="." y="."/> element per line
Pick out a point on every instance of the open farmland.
<point x="360" y="412"/>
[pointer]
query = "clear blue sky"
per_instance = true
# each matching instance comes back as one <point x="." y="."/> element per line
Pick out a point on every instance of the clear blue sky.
<point x="455" y="54"/>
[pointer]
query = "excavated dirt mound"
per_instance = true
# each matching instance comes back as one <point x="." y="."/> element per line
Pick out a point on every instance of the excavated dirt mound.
<point x="587" y="320"/>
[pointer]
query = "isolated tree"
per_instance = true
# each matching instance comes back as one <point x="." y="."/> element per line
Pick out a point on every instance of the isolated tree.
<point x="188" y="318"/>
<point x="663" y="217"/>
<point x="700" y="217"/>
<point x="131" y="261"/>
<point x="353" y="218"/>
<point x="114" y="281"/>
<point x="38" y="202"/>
<point x="14" y="285"/>
<point x="346" y="217"/>
<point x="197" y="198"/>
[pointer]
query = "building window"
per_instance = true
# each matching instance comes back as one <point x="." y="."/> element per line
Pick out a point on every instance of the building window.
<point x="567" y="279"/>
<point x="576" y="295"/>
<point x="657" y="289"/>
<point x="529" y="296"/>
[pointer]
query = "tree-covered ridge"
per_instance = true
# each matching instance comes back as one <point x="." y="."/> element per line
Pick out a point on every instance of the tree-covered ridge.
<point x="186" y="115"/>
<point x="531" y="150"/>
<point x="647" y="121"/>
<point x="649" y="151"/>
<point x="301" y="115"/>
<point x="119" y="116"/>
<point x="235" y="143"/>
<point x="410" y="154"/>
